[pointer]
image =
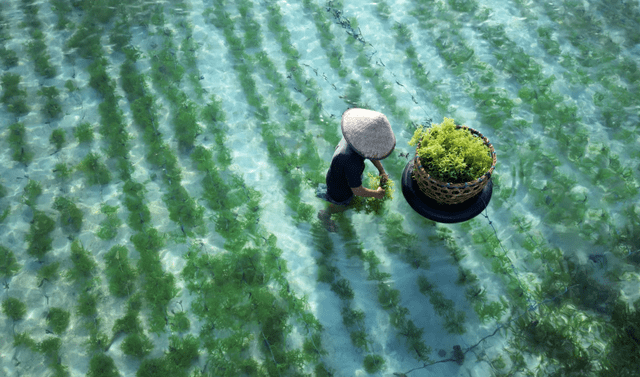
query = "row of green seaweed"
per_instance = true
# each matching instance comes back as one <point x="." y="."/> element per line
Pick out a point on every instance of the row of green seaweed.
<point x="42" y="225"/>
<point x="339" y="285"/>
<point x="484" y="310"/>
<point x="328" y="272"/>
<point x="498" y="265"/>
<point x="254" y="266"/>
<point x="8" y="56"/>
<point x="157" y="286"/>
<point x="284" y="162"/>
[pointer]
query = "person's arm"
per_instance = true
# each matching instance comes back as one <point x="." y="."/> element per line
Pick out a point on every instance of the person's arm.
<point x="383" y="174"/>
<point x="378" y="166"/>
<point x="368" y="193"/>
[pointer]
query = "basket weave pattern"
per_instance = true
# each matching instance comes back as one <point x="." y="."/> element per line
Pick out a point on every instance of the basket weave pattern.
<point x="452" y="193"/>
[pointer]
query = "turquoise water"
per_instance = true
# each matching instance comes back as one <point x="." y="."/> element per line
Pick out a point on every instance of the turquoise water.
<point x="159" y="170"/>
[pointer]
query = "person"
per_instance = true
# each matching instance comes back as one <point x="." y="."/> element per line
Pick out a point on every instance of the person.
<point x="367" y="134"/>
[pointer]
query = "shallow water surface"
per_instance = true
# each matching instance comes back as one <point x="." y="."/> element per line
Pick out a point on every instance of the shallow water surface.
<point x="161" y="159"/>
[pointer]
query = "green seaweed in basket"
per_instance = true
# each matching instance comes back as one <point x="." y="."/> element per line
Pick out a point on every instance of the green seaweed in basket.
<point x="451" y="154"/>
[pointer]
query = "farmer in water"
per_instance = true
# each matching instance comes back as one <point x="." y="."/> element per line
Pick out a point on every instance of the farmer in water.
<point x="366" y="134"/>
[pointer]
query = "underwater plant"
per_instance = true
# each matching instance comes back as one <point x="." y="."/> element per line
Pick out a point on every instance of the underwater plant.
<point x="61" y="170"/>
<point x="120" y="36"/>
<point x="50" y="346"/>
<point x="413" y="335"/>
<point x="326" y="274"/>
<point x="213" y="113"/>
<point x="95" y="171"/>
<point x="48" y="272"/>
<point x="38" y="236"/>
<point x="388" y="297"/>
<point x="70" y="86"/>
<point x="9" y="57"/>
<point x="102" y="365"/>
<point x="8" y="263"/>
<point x="37" y="47"/>
<point x="52" y="107"/>
<point x="159" y="288"/>
<point x="5" y="213"/>
<point x="403" y="243"/>
<point x="373" y="262"/>
<point x="360" y="339"/>
<point x="86" y="39"/>
<point x="373" y="363"/>
<point x="465" y="276"/>
<point x="109" y="226"/>
<point x="32" y="190"/>
<point x="353" y="94"/>
<point x="84" y="132"/>
<point x="154" y="367"/>
<point x="454" y="323"/>
<point x="253" y="37"/>
<point x="18" y="143"/>
<point x="83" y="263"/>
<point x="58" y="320"/>
<point x="62" y="9"/>
<point x="313" y="348"/>
<point x="424" y="285"/>
<point x="130" y="323"/>
<point x="99" y="78"/>
<point x="343" y="289"/>
<point x="24" y="339"/>
<point x="182" y="208"/>
<point x="551" y="46"/>
<point x="403" y="33"/>
<point x="136" y="344"/>
<point x="493" y="310"/>
<point x="186" y="124"/>
<point x="183" y="351"/>
<point x="98" y="341"/>
<point x="179" y="322"/>
<point x="12" y="95"/>
<point x="353" y="317"/>
<point x="87" y="302"/>
<point x="70" y="215"/>
<point x="119" y="272"/>
<point x="139" y="214"/>
<point x="14" y="308"/>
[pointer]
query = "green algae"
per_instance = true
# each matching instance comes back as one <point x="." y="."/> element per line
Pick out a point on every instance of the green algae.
<point x="58" y="320"/>
<point x="14" y="308"/>
<point x="9" y="265"/>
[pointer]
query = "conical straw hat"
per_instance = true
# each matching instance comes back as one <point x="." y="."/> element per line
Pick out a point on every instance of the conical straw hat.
<point x="368" y="132"/>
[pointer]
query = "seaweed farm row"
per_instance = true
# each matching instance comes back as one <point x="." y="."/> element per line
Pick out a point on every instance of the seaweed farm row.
<point x="157" y="193"/>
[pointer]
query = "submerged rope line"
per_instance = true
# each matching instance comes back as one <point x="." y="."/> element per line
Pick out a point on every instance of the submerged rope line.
<point x="533" y="305"/>
<point x="345" y="23"/>
<point x="272" y="356"/>
<point x="513" y="267"/>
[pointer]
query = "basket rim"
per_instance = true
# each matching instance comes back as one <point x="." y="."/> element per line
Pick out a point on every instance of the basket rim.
<point x="478" y="180"/>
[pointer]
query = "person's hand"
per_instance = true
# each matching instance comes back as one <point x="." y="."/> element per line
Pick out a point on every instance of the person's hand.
<point x="384" y="177"/>
<point x="379" y="194"/>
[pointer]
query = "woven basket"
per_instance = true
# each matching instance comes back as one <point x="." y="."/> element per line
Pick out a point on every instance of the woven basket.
<point x="452" y="193"/>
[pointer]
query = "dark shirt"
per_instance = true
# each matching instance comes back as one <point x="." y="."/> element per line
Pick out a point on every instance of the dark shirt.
<point x="345" y="172"/>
